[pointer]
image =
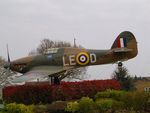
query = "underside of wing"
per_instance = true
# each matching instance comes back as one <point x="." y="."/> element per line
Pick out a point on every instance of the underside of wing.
<point x="40" y="73"/>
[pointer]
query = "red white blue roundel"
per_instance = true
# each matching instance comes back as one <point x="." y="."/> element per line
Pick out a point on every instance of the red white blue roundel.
<point x="82" y="58"/>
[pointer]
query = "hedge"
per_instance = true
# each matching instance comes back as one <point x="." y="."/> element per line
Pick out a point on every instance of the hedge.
<point x="46" y="93"/>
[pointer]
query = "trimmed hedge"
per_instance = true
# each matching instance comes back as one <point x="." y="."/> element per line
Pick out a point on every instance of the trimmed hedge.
<point x="46" y="93"/>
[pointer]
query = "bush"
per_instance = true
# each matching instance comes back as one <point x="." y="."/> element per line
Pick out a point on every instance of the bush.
<point x="114" y="94"/>
<point x="104" y="105"/>
<point x="39" y="93"/>
<point x="72" y="107"/>
<point x="86" y="105"/>
<point x="138" y="101"/>
<point x="18" y="108"/>
<point x="40" y="109"/>
<point x="117" y="105"/>
<point x="27" y="94"/>
<point x="57" y="107"/>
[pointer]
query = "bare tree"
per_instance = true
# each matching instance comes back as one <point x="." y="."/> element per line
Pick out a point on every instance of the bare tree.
<point x="2" y="61"/>
<point x="47" y="43"/>
<point x="5" y="74"/>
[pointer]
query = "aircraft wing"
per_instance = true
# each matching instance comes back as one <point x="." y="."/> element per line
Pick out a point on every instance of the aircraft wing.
<point x="40" y="73"/>
<point x="122" y="50"/>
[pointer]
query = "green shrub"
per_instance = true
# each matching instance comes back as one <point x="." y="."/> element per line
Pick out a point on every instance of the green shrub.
<point x="86" y="105"/>
<point x="117" y="105"/>
<point x="127" y="99"/>
<point x="1" y="101"/>
<point x="103" y="94"/>
<point x="57" y="107"/>
<point x="137" y="101"/>
<point x="104" y="104"/>
<point x="72" y="107"/>
<point x="18" y="108"/>
<point x="40" y="109"/>
<point x="114" y="94"/>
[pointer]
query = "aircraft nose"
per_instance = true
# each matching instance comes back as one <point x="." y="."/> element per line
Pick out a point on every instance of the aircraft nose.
<point x="6" y="65"/>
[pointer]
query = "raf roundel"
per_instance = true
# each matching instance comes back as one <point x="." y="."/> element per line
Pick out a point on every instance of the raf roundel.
<point x="82" y="58"/>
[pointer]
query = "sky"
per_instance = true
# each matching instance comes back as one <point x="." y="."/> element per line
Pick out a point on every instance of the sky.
<point x="94" y="23"/>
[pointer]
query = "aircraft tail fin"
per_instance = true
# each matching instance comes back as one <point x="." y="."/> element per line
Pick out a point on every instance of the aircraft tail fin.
<point x="125" y="43"/>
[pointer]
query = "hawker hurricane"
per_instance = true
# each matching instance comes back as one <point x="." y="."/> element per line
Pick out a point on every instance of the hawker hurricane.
<point x="56" y="62"/>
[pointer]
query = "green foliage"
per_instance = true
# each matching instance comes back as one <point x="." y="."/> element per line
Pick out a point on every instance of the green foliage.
<point x="40" y="109"/>
<point x="57" y="107"/>
<point x="18" y="108"/>
<point x="137" y="101"/>
<point x="114" y="94"/>
<point x="72" y="107"/>
<point x="129" y="102"/>
<point x="1" y="100"/>
<point x="117" y="105"/>
<point x="104" y="104"/>
<point x="126" y="81"/>
<point x="86" y="105"/>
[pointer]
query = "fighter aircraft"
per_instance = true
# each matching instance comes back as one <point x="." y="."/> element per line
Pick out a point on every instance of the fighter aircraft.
<point x="56" y="62"/>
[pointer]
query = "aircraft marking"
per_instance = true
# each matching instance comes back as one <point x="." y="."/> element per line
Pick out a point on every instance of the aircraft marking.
<point x="93" y="58"/>
<point x="121" y="42"/>
<point x="82" y="58"/>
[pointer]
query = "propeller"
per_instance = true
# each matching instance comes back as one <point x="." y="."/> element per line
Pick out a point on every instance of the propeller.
<point x="8" y="63"/>
<point x="8" y="54"/>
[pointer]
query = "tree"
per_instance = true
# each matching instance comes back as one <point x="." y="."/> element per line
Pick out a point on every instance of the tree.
<point x="5" y="74"/>
<point x="2" y="61"/>
<point x="122" y="75"/>
<point x="47" y="43"/>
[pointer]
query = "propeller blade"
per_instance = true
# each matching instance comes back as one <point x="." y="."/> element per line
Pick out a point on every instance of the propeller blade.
<point x="8" y="54"/>
<point x="8" y="63"/>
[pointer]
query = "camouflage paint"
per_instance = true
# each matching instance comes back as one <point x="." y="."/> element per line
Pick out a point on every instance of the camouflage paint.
<point x="75" y="57"/>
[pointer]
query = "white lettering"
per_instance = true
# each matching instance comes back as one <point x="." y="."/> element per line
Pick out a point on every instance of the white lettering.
<point x="93" y="58"/>
<point x="72" y="60"/>
<point x="65" y="64"/>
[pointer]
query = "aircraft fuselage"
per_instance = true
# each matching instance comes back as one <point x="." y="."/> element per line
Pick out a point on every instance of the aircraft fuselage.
<point x="69" y="57"/>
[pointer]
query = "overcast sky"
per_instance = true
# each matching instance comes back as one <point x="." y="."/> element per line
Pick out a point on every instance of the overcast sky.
<point x="94" y="23"/>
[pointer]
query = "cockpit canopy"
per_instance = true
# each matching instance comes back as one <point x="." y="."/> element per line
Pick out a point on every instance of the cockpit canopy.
<point x="51" y="50"/>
